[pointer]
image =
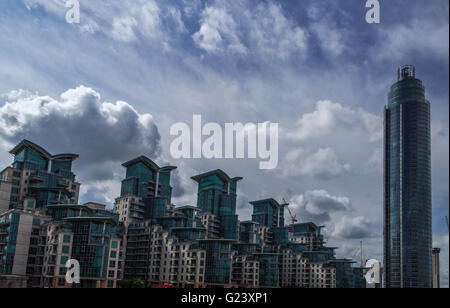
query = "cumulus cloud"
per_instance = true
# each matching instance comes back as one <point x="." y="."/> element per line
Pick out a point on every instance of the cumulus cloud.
<point x="104" y="134"/>
<point x="323" y="164"/>
<point x="329" y="117"/>
<point x="318" y="205"/>
<point x="353" y="228"/>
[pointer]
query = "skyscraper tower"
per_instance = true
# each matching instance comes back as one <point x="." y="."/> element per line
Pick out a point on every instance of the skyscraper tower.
<point x="407" y="184"/>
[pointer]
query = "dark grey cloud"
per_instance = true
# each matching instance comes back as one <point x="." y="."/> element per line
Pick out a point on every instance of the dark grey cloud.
<point x="96" y="194"/>
<point x="318" y="205"/>
<point x="176" y="182"/>
<point x="242" y="202"/>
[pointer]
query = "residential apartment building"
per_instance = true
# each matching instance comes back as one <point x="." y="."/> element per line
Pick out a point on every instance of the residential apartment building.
<point x="147" y="237"/>
<point x="42" y="226"/>
<point x="37" y="178"/>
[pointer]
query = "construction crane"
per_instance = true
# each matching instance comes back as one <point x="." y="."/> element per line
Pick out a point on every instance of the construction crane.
<point x="293" y="217"/>
<point x="359" y="251"/>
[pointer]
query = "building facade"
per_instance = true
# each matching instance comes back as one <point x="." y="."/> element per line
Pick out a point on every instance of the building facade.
<point x="407" y="184"/>
<point x="436" y="268"/>
<point x="42" y="226"/>
<point x="146" y="237"/>
<point x="37" y="178"/>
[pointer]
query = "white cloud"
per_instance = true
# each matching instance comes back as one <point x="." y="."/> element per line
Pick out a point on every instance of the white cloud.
<point x="323" y="164"/>
<point x="353" y="228"/>
<point x="375" y="162"/>
<point x="53" y="6"/>
<point x="123" y="29"/>
<point x="331" y="117"/>
<point x="218" y="32"/>
<point x="150" y="20"/>
<point x="331" y="39"/>
<point x="269" y="32"/>
<point x="273" y="34"/>
<point x="424" y="36"/>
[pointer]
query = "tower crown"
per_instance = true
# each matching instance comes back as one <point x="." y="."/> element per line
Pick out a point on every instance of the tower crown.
<point x="406" y="71"/>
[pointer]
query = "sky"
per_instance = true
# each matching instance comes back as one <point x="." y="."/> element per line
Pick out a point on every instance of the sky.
<point x="111" y="87"/>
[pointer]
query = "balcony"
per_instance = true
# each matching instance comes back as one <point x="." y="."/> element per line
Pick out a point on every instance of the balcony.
<point x="35" y="178"/>
<point x="136" y="215"/>
<point x="137" y="209"/>
<point x="138" y="240"/>
<point x="63" y="184"/>
<point x="99" y="234"/>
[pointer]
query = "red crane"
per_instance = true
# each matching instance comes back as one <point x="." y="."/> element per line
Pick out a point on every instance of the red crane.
<point x="293" y="217"/>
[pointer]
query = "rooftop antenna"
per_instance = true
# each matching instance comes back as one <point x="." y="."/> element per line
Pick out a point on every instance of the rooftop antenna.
<point x="362" y="260"/>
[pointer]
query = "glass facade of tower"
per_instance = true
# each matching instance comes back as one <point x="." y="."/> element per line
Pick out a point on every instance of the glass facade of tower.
<point x="148" y="188"/>
<point x="46" y="178"/>
<point x="407" y="184"/>
<point x="268" y="213"/>
<point x="217" y="196"/>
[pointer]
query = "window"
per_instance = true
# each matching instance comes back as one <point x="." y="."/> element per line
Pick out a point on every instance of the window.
<point x="64" y="260"/>
<point x="114" y="244"/>
<point x="113" y="254"/>
<point x="66" y="238"/>
<point x="65" y="249"/>
<point x="61" y="282"/>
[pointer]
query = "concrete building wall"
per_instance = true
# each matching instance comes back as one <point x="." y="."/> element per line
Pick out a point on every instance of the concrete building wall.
<point x="22" y="245"/>
<point x="5" y="190"/>
<point x="13" y="282"/>
<point x="436" y="268"/>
